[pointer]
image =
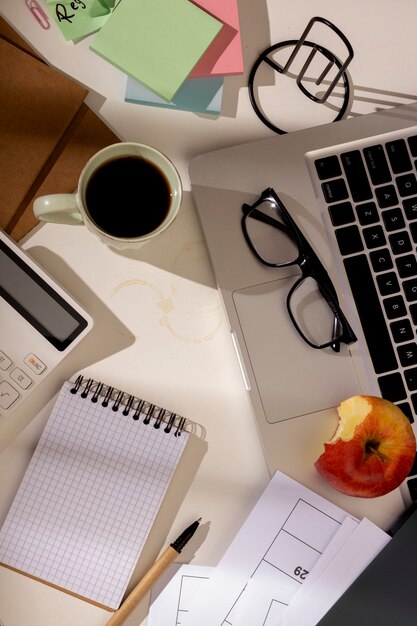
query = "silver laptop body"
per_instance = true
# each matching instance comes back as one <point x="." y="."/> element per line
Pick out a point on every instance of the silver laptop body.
<point x="293" y="388"/>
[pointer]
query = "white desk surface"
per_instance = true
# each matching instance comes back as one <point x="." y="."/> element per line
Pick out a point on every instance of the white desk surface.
<point x="180" y="353"/>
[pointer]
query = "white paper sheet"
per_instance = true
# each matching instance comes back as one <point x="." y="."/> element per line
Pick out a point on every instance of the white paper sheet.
<point x="347" y="528"/>
<point x="280" y="542"/>
<point x="173" y="594"/>
<point x="256" y="601"/>
<point x="358" y="551"/>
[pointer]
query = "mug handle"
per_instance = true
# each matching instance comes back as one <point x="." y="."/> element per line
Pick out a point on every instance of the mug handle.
<point x="59" y="208"/>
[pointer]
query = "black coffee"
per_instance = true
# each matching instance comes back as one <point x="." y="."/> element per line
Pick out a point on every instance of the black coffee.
<point x="128" y="197"/>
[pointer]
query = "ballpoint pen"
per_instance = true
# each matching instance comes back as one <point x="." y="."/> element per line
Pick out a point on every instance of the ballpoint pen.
<point x="157" y="569"/>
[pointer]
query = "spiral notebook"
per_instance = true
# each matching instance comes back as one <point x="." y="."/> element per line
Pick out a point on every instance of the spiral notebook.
<point x="92" y="491"/>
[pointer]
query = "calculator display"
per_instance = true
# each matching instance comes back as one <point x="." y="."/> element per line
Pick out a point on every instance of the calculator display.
<point x="38" y="302"/>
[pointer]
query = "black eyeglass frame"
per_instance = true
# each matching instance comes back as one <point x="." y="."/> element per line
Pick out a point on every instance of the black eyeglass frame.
<point x="308" y="262"/>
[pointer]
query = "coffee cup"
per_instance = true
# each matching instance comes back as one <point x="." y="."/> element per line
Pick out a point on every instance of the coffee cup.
<point x="127" y="194"/>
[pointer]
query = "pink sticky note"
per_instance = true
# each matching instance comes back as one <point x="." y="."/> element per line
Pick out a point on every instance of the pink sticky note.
<point x="224" y="56"/>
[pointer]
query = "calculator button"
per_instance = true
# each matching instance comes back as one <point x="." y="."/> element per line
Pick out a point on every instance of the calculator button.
<point x="20" y="378"/>
<point x="5" y="362"/>
<point x="34" y="363"/>
<point x="8" y="394"/>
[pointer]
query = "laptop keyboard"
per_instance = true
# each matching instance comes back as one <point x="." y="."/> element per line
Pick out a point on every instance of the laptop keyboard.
<point x="371" y="196"/>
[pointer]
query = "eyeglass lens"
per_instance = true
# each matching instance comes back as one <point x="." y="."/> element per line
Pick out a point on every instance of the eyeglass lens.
<point x="312" y="314"/>
<point x="268" y="235"/>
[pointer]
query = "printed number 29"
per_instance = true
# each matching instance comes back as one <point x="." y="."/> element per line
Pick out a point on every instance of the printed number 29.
<point x="300" y="572"/>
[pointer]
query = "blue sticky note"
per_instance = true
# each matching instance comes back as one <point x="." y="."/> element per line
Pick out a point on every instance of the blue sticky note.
<point x="200" y="95"/>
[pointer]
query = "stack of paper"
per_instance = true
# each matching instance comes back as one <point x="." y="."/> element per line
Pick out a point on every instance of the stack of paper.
<point x="292" y="559"/>
<point x="175" y="53"/>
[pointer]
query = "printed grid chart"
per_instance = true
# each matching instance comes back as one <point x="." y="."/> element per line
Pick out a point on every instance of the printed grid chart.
<point x="89" y="497"/>
<point x="294" y="551"/>
<point x="189" y="587"/>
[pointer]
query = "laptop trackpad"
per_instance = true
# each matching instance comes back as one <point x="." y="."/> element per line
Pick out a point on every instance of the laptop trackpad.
<point x="293" y="379"/>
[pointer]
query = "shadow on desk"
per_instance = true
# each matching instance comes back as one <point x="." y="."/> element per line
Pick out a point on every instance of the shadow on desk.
<point x="107" y="337"/>
<point x="254" y="40"/>
<point x="180" y="249"/>
<point x="161" y="534"/>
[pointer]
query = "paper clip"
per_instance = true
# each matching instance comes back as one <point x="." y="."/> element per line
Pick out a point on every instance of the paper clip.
<point x="38" y="13"/>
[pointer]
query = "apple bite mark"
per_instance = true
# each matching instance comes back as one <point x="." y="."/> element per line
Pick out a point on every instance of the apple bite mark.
<point x="372" y="450"/>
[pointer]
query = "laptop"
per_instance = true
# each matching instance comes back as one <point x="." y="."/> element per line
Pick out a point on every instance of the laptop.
<point x="365" y="167"/>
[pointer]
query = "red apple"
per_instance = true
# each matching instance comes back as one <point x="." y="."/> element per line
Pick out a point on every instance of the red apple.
<point x="372" y="450"/>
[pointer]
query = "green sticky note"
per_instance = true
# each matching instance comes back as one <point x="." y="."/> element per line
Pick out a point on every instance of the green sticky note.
<point x="78" y="18"/>
<point x="157" y="42"/>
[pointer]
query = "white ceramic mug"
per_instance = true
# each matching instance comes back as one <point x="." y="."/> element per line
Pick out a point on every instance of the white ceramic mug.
<point x="157" y="184"/>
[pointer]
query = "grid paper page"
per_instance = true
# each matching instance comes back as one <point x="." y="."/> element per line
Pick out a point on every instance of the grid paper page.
<point x="88" y="498"/>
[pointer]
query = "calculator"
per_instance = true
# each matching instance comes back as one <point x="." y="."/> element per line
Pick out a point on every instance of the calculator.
<point x="40" y="324"/>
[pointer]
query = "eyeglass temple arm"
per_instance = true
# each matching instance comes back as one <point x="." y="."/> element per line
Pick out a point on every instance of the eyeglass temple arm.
<point x="348" y="335"/>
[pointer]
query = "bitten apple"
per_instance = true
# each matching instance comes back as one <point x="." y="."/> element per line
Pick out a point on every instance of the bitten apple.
<point x="372" y="450"/>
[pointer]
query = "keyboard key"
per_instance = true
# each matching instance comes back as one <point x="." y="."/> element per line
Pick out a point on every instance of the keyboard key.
<point x="400" y="242"/>
<point x="394" y="307"/>
<point x="370" y="313"/>
<point x="341" y="214"/>
<point x="367" y="213"/>
<point x="356" y="175"/>
<point x="388" y="283"/>
<point x="335" y="190"/>
<point x="349" y="240"/>
<point x="392" y="387"/>
<point x="402" y="331"/>
<point x="386" y="196"/>
<point x="412" y="142"/>
<point x="410" y="207"/>
<point x="413" y="231"/>
<point x="374" y="237"/>
<point x="377" y="165"/>
<point x="393" y="219"/>
<point x="398" y="156"/>
<point x="407" y="185"/>
<point x="381" y="260"/>
<point x="408" y="354"/>
<point x="408" y="412"/>
<point x="328" y="167"/>
<point x="410" y="289"/>
<point x="413" y="313"/>
<point x="406" y="265"/>
<point x="410" y="376"/>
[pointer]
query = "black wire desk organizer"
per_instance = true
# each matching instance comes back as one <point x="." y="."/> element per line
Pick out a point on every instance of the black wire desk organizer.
<point x="301" y="79"/>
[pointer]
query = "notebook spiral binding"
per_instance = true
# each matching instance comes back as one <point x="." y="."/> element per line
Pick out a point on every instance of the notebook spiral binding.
<point x="117" y="399"/>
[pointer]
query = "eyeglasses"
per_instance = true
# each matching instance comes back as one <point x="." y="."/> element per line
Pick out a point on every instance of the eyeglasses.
<point x="312" y="302"/>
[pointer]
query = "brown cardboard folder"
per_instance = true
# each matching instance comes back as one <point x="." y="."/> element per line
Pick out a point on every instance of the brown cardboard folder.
<point x="47" y="132"/>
